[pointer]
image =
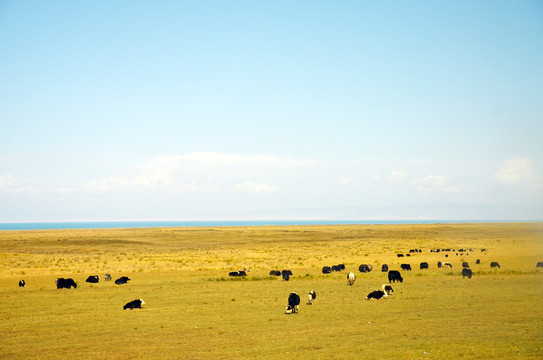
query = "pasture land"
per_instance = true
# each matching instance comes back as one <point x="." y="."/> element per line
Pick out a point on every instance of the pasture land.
<point x="194" y="310"/>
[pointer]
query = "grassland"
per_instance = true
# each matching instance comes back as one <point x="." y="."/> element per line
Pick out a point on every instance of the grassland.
<point x="194" y="310"/>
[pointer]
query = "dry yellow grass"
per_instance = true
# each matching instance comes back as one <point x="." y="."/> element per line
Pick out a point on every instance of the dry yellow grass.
<point x="194" y="310"/>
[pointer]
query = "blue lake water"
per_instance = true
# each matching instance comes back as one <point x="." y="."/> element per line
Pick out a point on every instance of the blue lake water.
<point x="210" y="223"/>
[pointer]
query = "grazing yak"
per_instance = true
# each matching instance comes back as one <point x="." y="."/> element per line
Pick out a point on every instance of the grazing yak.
<point x="336" y="268"/>
<point x="439" y="264"/>
<point x="539" y="264"/>
<point x="447" y="264"/>
<point x="399" y="255"/>
<point x="65" y="283"/>
<point x="286" y="274"/>
<point x="494" y="264"/>
<point x="394" y="275"/>
<point x="326" y="270"/>
<point x="406" y="267"/>
<point x="293" y="303"/>
<point x="478" y="262"/>
<point x="122" y="280"/>
<point x="365" y="268"/>
<point x="22" y="283"/>
<point x="377" y="294"/>
<point x="134" y="304"/>
<point x="384" y="268"/>
<point x="107" y="277"/>
<point x="467" y="272"/>
<point x="93" y="279"/>
<point x="423" y="265"/>
<point x="237" y="273"/>
<point x="311" y="297"/>
<point x="388" y="289"/>
<point x="351" y="278"/>
<point x="275" y="273"/>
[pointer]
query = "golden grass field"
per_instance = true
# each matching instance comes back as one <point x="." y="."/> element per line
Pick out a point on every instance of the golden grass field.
<point x="194" y="310"/>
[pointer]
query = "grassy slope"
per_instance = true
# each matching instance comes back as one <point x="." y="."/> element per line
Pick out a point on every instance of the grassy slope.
<point x="193" y="310"/>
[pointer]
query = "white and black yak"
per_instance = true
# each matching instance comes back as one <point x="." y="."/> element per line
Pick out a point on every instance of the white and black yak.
<point x="388" y="289"/>
<point x="351" y="278"/>
<point x="293" y="303"/>
<point x="134" y="304"/>
<point x="377" y="294"/>
<point x="93" y="279"/>
<point x="311" y="297"/>
<point x="22" y="283"/>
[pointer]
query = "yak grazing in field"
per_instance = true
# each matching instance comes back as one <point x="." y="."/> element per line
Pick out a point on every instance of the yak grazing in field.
<point x="286" y="274"/>
<point x="423" y="265"/>
<point x="539" y="264"/>
<point x="65" y="283"/>
<point x="466" y="272"/>
<point x="326" y="270"/>
<point x="351" y="278"/>
<point x="394" y="275"/>
<point x="134" y="304"/>
<point x="365" y="268"/>
<point x="377" y="294"/>
<point x="22" y="283"/>
<point x="311" y="297"/>
<point x="494" y="264"/>
<point x="388" y="289"/>
<point x="406" y="267"/>
<point x="237" y="273"/>
<point x="293" y="303"/>
<point x="93" y="279"/>
<point x="122" y="280"/>
<point x="107" y="277"/>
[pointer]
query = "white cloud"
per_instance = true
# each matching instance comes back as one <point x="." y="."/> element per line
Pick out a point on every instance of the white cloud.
<point x="396" y="175"/>
<point x="195" y="187"/>
<point x="432" y="183"/>
<point x="514" y="171"/>
<point x="105" y="185"/>
<point x="345" y="181"/>
<point x="184" y="173"/>
<point x="435" y="179"/>
<point x="6" y="183"/>
<point x="252" y="187"/>
<point x="225" y="159"/>
<point x="14" y="186"/>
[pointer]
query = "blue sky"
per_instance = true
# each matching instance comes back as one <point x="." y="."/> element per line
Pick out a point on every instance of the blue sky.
<point x="248" y="110"/>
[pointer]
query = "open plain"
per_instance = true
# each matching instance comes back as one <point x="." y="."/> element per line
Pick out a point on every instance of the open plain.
<point x="194" y="310"/>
